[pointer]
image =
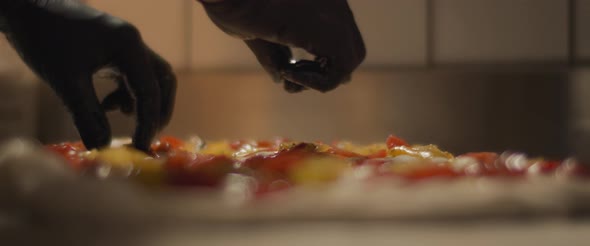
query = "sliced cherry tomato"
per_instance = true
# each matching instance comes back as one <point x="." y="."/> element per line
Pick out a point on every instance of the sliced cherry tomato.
<point x="265" y="144"/>
<point x="236" y="145"/>
<point x="209" y="171"/>
<point x="277" y="166"/>
<point x="179" y="159"/>
<point x="379" y="154"/>
<point x="574" y="169"/>
<point x="548" y="166"/>
<point x="63" y="148"/>
<point x="70" y="152"/>
<point x="278" y="163"/>
<point x="393" y="141"/>
<point x="166" y="144"/>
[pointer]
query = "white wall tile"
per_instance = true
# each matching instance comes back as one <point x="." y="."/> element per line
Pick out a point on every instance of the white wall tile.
<point x="488" y="31"/>
<point x="480" y="31"/>
<point x="580" y="99"/>
<point x="394" y="30"/>
<point x="583" y="29"/>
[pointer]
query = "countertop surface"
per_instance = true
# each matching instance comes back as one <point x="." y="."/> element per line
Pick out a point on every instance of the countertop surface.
<point x="534" y="233"/>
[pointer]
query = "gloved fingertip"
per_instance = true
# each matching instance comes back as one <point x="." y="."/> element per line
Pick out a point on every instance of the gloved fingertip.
<point x="292" y="87"/>
<point x="144" y="147"/>
<point x="98" y="141"/>
<point x="310" y="80"/>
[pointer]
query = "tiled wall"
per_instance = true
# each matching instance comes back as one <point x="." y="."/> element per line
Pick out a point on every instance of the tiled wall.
<point x="160" y="22"/>
<point x="583" y="29"/>
<point x="581" y="110"/>
<point x="396" y="31"/>
<point x="497" y="31"/>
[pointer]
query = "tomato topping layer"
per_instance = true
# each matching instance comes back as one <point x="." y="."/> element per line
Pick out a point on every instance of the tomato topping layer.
<point x="279" y="164"/>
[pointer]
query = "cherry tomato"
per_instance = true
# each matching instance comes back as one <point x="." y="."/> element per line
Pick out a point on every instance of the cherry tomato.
<point x="236" y="145"/>
<point x="277" y="166"/>
<point x="63" y="148"/>
<point x="265" y="144"/>
<point x="70" y="152"/>
<point x="208" y="171"/>
<point x="393" y="141"/>
<point x="379" y="154"/>
<point x="166" y="144"/>
<point x="574" y="169"/>
<point x="544" y="167"/>
<point x="180" y="159"/>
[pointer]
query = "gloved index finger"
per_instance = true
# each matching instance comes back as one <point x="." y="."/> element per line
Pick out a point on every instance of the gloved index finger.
<point x="313" y="74"/>
<point x="274" y="58"/>
<point x="90" y="119"/>
<point x="135" y="63"/>
<point x="167" y="84"/>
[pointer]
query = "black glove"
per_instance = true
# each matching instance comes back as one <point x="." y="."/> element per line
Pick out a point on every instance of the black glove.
<point x="324" y="28"/>
<point x="66" y="42"/>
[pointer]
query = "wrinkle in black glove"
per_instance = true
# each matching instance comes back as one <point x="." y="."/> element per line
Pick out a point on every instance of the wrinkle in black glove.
<point x="66" y="42"/>
<point x="324" y="28"/>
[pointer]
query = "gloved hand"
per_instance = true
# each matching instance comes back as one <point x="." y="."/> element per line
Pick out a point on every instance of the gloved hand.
<point x="324" y="28"/>
<point x="66" y="42"/>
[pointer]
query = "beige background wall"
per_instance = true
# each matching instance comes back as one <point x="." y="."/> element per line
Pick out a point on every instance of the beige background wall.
<point x="465" y="31"/>
<point x="224" y="93"/>
<point x="159" y="21"/>
<point x="500" y="30"/>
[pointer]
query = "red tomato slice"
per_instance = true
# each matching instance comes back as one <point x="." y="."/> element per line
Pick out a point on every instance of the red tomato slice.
<point x="264" y="144"/>
<point x="380" y="154"/>
<point x="548" y="166"/>
<point x="70" y="152"/>
<point x="166" y="144"/>
<point x="61" y="149"/>
<point x="236" y="145"/>
<point x="277" y="166"/>
<point x="180" y="159"/>
<point x="393" y="141"/>
<point x="572" y="169"/>
<point x="209" y="171"/>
